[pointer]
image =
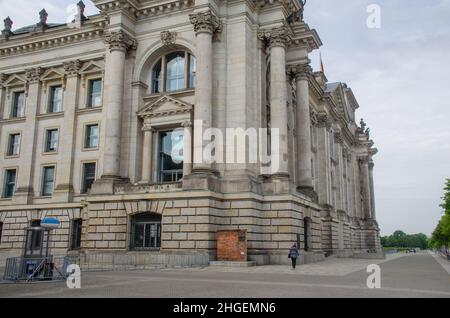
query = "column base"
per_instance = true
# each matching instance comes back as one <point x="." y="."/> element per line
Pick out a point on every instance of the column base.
<point x="277" y="184"/>
<point x="202" y="179"/>
<point x="23" y="195"/>
<point x="309" y="192"/>
<point x="107" y="184"/>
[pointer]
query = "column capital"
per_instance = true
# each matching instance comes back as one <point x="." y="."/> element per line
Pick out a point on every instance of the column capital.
<point x="148" y="127"/>
<point x="71" y="68"/>
<point x="119" y="40"/>
<point x="364" y="160"/>
<point x="300" y="71"/>
<point x="279" y="36"/>
<point x="205" y="22"/>
<point x="33" y="75"/>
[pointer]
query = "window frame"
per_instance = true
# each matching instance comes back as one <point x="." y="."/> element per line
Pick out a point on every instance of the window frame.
<point x="5" y="182"/>
<point x="187" y="84"/>
<point x="83" y="190"/>
<point x="51" y="100"/>
<point x="43" y="181"/>
<point x="9" y="145"/>
<point x="46" y="140"/>
<point x="153" y="219"/>
<point x="159" y="161"/>
<point x="89" y="101"/>
<point x="86" y="135"/>
<point x="13" y="104"/>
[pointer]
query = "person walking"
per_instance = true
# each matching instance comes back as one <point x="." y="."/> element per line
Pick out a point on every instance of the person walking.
<point x="293" y="255"/>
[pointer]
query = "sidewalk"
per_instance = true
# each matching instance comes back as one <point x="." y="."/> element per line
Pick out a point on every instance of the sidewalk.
<point x="329" y="267"/>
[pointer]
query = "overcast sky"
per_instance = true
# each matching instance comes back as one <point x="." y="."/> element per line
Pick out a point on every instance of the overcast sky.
<point x="400" y="76"/>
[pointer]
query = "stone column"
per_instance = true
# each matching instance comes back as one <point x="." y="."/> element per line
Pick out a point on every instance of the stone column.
<point x="64" y="173"/>
<point x="205" y="25"/>
<point x="365" y="175"/>
<point x="278" y="39"/>
<point x="118" y="44"/>
<point x="302" y="73"/>
<point x="147" y="153"/>
<point x="372" y="191"/>
<point x="187" y="149"/>
<point x="25" y="180"/>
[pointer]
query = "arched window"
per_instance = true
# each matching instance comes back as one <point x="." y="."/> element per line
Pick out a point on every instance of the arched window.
<point x="174" y="71"/>
<point x="146" y="231"/>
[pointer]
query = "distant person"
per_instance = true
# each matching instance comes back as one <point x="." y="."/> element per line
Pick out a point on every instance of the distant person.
<point x="293" y="255"/>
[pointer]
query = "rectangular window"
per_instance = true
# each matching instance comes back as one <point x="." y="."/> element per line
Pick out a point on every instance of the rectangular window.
<point x="13" y="145"/>
<point x="88" y="176"/>
<point x="10" y="183"/>
<point x="56" y="96"/>
<point x="171" y="145"/>
<point x="75" y="239"/>
<point x="51" y="142"/>
<point x="95" y="93"/>
<point x="1" y="230"/>
<point x="18" y="109"/>
<point x="48" y="181"/>
<point x="92" y="133"/>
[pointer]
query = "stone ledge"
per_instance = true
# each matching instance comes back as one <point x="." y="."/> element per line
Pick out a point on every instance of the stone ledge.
<point x="232" y="264"/>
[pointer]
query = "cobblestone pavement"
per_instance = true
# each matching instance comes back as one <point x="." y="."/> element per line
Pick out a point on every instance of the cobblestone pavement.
<point x="411" y="275"/>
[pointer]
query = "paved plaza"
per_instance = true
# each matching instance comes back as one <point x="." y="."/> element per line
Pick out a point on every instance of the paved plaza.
<point x="406" y="275"/>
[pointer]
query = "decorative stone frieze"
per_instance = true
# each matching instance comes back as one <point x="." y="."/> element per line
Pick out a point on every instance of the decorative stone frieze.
<point x="206" y="22"/>
<point x="119" y="40"/>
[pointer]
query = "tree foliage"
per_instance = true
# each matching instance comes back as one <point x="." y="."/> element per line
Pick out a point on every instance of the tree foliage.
<point x="441" y="235"/>
<point x="401" y="239"/>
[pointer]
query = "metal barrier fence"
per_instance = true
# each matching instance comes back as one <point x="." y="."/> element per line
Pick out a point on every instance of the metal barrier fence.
<point x="36" y="269"/>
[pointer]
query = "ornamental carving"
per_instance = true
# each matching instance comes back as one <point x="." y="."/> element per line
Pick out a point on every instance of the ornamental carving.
<point x="71" y="68"/>
<point x="33" y="74"/>
<point x="119" y="40"/>
<point x="168" y="38"/>
<point x="323" y="120"/>
<point x="276" y="37"/>
<point x="300" y="71"/>
<point x="206" y="22"/>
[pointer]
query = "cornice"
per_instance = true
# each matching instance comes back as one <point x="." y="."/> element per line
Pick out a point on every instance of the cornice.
<point x="51" y="39"/>
<point x="141" y="9"/>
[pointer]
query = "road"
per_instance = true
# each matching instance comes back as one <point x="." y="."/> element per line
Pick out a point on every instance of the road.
<point x="413" y="275"/>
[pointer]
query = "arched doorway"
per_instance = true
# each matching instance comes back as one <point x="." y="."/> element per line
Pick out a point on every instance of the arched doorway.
<point x="145" y="232"/>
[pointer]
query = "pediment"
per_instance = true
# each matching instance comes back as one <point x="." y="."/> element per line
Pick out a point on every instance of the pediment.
<point x="91" y="67"/>
<point x="165" y="106"/>
<point x="14" y="80"/>
<point x="51" y="74"/>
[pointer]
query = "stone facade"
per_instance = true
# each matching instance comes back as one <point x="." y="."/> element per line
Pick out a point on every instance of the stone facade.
<point x="246" y="66"/>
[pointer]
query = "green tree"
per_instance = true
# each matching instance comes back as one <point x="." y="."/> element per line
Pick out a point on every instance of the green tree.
<point x="441" y="235"/>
